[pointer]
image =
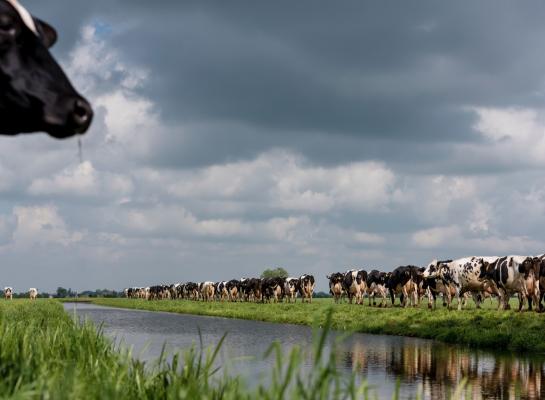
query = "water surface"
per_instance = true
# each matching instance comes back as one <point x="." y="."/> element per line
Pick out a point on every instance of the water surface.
<point x="382" y="360"/>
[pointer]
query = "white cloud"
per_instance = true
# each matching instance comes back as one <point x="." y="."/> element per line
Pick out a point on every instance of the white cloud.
<point x="83" y="180"/>
<point x="435" y="237"/>
<point x="369" y="238"/>
<point x="40" y="225"/>
<point x="282" y="180"/>
<point x="517" y="135"/>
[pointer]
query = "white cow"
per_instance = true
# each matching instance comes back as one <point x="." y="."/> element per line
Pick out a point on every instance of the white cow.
<point x="33" y="293"/>
<point x="207" y="291"/>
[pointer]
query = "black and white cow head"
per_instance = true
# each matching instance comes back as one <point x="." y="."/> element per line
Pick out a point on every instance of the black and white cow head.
<point x="530" y="264"/>
<point x="35" y="94"/>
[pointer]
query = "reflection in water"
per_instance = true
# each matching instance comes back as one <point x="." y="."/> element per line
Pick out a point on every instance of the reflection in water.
<point x="438" y="368"/>
<point x="433" y="367"/>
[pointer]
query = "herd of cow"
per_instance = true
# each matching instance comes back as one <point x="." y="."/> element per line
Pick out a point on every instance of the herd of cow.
<point x="245" y="289"/>
<point x="476" y="277"/>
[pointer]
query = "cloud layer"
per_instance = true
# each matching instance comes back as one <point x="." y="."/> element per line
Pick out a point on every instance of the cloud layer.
<point x="232" y="138"/>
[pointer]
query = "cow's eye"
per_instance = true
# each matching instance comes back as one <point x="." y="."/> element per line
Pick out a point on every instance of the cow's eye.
<point x="7" y="27"/>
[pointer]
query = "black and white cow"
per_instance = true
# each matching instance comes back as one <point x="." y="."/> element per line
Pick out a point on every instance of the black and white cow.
<point x="515" y="274"/>
<point x="403" y="281"/>
<point x="273" y="289"/>
<point x="376" y="286"/>
<point x="336" y="285"/>
<point x="355" y="285"/>
<point x="191" y="290"/>
<point x="35" y="94"/>
<point x="464" y="274"/>
<point x="306" y="287"/>
<point x="8" y="293"/>
<point x="221" y="291"/>
<point x="233" y="289"/>
<point x="291" y="287"/>
<point x="252" y="289"/>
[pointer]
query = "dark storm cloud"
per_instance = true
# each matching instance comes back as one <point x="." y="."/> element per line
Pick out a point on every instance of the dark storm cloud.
<point x="348" y="74"/>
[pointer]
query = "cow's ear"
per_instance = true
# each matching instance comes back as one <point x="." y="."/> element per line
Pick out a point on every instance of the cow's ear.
<point x="48" y="34"/>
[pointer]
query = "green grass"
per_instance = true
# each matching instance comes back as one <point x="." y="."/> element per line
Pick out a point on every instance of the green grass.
<point x="486" y="328"/>
<point x="45" y="354"/>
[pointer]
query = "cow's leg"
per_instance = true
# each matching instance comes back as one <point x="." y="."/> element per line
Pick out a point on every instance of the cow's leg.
<point x="459" y="297"/>
<point x="392" y="297"/>
<point x="477" y="299"/>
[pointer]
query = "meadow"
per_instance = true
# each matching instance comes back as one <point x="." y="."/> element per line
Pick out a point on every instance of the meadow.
<point x="485" y="328"/>
<point x="46" y="354"/>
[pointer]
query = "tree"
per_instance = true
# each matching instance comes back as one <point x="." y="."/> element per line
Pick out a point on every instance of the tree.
<point x="275" y="273"/>
<point x="62" y="292"/>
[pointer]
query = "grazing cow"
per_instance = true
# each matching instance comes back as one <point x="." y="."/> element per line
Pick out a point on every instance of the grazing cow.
<point x="33" y="293"/>
<point x="355" y="285"/>
<point x="376" y="286"/>
<point x="8" y="293"/>
<point x="35" y="95"/>
<point x="515" y="274"/>
<point x="291" y="287"/>
<point x="404" y="281"/>
<point x="336" y="285"/>
<point x="306" y="287"/>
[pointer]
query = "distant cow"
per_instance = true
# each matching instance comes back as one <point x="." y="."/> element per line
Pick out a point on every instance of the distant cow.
<point x="8" y="293"/>
<point x="221" y="291"/>
<point x="306" y="287"/>
<point x="191" y="290"/>
<point x="207" y="290"/>
<point x="355" y="285"/>
<point x="404" y="281"/>
<point x="33" y="293"/>
<point x="252" y="289"/>
<point x="233" y="289"/>
<point x="273" y="289"/>
<point x="291" y="287"/>
<point x="336" y="285"/>
<point x="376" y="286"/>
<point x="35" y="94"/>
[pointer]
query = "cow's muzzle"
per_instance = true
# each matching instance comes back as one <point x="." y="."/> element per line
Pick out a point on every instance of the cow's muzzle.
<point x="72" y="116"/>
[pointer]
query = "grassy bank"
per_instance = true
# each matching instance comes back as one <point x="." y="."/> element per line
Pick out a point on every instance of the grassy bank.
<point x="44" y="354"/>
<point x="487" y="328"/>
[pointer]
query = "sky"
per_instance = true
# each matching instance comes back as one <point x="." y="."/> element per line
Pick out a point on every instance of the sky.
<point x="230" y="137"/>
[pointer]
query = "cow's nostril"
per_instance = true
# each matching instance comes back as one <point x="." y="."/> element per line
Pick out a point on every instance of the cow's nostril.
<point x="82" y="114"/>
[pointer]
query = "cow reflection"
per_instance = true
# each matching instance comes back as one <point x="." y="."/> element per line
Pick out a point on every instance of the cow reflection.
<point x="440" y="368"/>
